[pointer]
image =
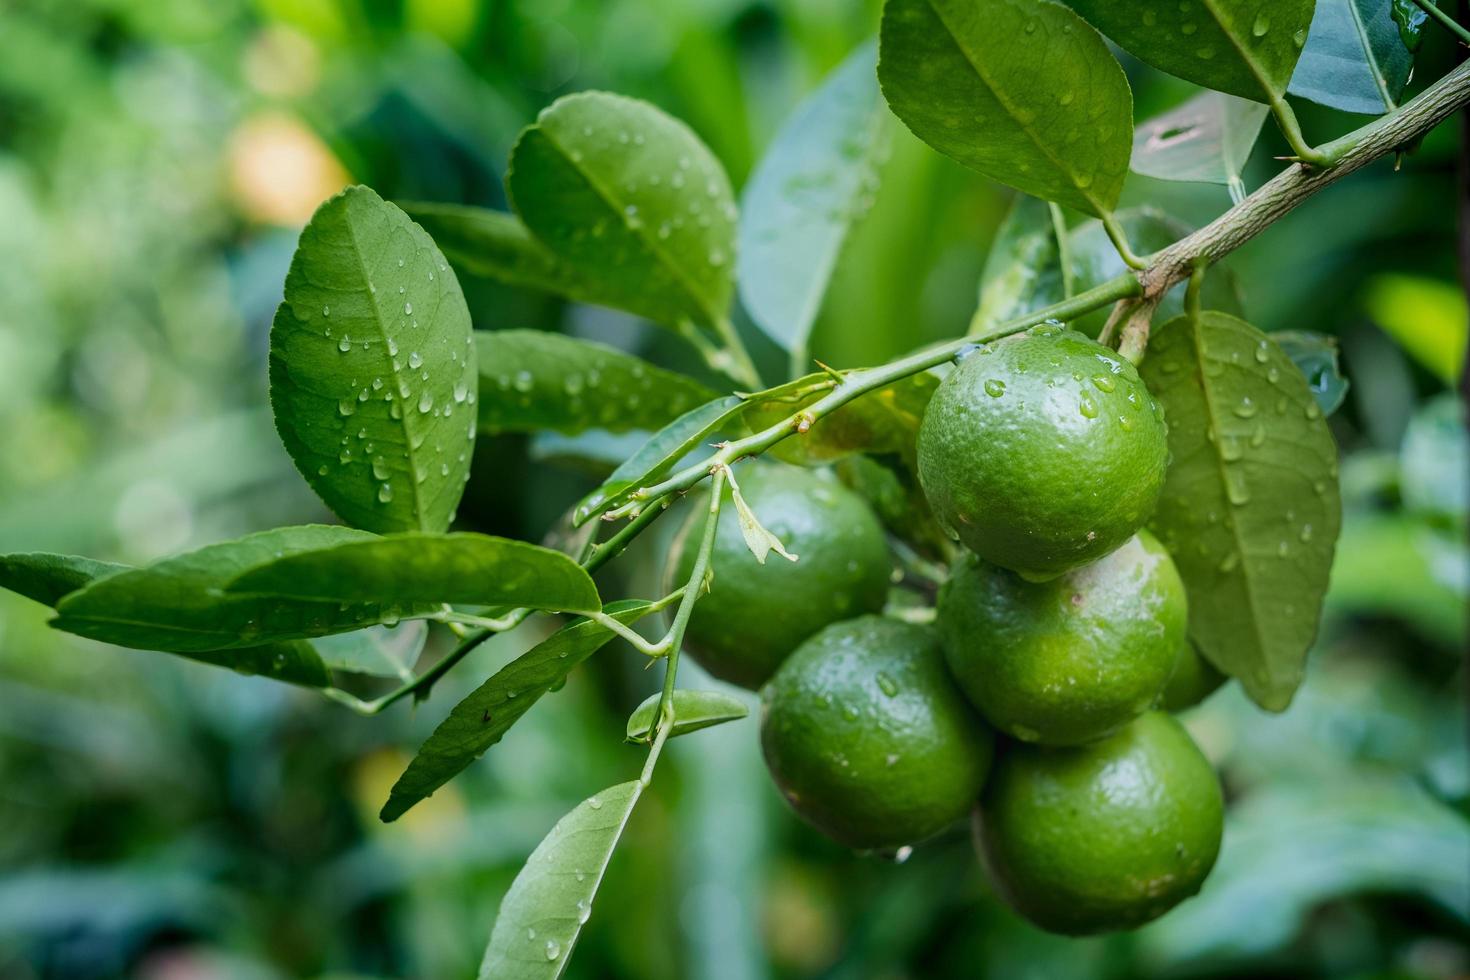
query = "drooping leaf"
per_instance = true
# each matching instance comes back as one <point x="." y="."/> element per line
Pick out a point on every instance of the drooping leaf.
<point x="1023" y="271"/>
<point x="1355" y="59"/>
<point x="406" y="570"/>
<point x="1023" y="91"/>
<point x="806" y="196"/>
<point x="480" y="720"/>
<point x="531" y="380"/>
<point x="882" y="421"/>
<point x="543" y="912"/>
<point x="379" y="651"/>
<point x="1250" y="509"/>
<point x="659" y="454"/>
<point x="631" y="200"/>
<point x="497" y="245"/>
<point x="1245" y="48"/>
<point x="180" y="604"/>
<point x="47" y="578"/>
<point x="758" y="538"/>
<point x="371" y="366"/>
<point x="1315" y="355"/>
<point x="693" y="710"/>
<point x="1207" y="139"/>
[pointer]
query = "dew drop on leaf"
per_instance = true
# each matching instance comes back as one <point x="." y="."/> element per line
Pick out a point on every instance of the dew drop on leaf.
<point x="385" y="493"/>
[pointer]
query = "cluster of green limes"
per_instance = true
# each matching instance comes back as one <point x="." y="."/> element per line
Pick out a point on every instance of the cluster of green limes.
<point x="1062" y="629"/>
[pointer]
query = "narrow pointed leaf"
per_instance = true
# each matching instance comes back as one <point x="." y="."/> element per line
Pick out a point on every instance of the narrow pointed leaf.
<point x="542" y="914"/>
<point x="1250" y="509"/>
<point x="807" y="195"/>
<point x="1024" y="91"/>
<point x="180" y="604"/>
<point x="631" y="200"/>
<point x="379" y="651"/>
<point x="406" y="570"/>
<point x="497" y="245"/>
<point x="1023" y="271"/>
<point x="1245" y="48"/>
<point x="371" y="367"/>
<point x="1355" y="59"/>
<point x="693" y="710"/>
<point x="480" y="720"/>
<point x="531" y="380"/>
<point x="47" y="578"/>
<point x="1207" y="139"/>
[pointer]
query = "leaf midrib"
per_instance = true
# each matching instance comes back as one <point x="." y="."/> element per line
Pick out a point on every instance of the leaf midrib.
<point x="1370" y="57"/>
<point x="1245" y="53"/>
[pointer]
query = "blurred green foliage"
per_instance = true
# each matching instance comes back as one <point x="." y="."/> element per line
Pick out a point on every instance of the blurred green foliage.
<point x="160" y="819"/>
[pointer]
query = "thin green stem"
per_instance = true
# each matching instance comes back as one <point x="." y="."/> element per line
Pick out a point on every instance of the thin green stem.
<point x="1192" y="301"/>
<point x="1286" y="121"/>
<point x="1119" y="239"/>
<point x="646" y="776"/>
<point x="1064" y="249"/>
<point x="734" y="358"/>
<point x="1445" y="20"/>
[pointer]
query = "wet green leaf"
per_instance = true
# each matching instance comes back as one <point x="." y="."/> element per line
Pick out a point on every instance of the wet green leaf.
<point x="497" y="245"/>
<point x="1315" y="355"/>
<point x="1207" y="139"/>
<point x="1023" y="91"/>
<point x="1355" y="58"/>
<point x="1023" y="271"/>
<point x="380" y="651"/>
<point x="405" y="570"/>
<point x="543" y="912"/>
<point x="372" y="364"/>
<point x="47" y="578"/>
<point x="693" y="710"/>
<point x="1245" y="48"/>
<point x="810" y="190"/>
<point x="180" y="604"/>
<point x="631" y="200"/>
<point x="480" y="720"/>
<point x="531" y="380"/>
<point x="1250" y="509"/>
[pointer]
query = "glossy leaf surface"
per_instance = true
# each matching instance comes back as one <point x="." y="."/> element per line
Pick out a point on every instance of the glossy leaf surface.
<point x="1207" y="139"/>
<point x="47" y="578"/>
<point x="693" y="710"/>
<point x="1355" y="59"/>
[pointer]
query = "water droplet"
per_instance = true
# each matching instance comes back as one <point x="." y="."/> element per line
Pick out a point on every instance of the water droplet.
<point x="584" y="910"/>
<point x="1103" y="382"/>
<point x="1237" y="491"/>
<point x="1030" y="27"/>
<point x="1246" y="409"/>
<point x="1306" y="533"/>
<point x="347" y="406"/>
<point x="385" y="493"/>
<point x="595" y="803"/>
<point x="344" y="345"/>
<point x="321" y="470"/>
<point x="1313" y="411"/>
<point x="1261" y="26"/>
<point x="553" y="949"/>
<point x="326" y="311"/>
<point x="407" y="309"/>
<point x="524" y="381"/>
<point x="414" y="360"/>
<point x="400" y="263"/>
<point x="716" y="258"/>
<point x="887" y="684"/>
<point x="995" y="387"/>
<point x="426" y="401"/>
<point x="1258" y="436"/>
<point x="461" y="391"/>
<point x="530" y="933"/>
<point x="380" y="468"/>
<point x="1263" y="353"/>
<point x="1188" y="29"/>
<point x="1229" y="563"/>
<point x="1087" y="407"/>
<point x="1282" y="549"/>
<point x="1299" y="38"/>
<point x="1066" y="98"/>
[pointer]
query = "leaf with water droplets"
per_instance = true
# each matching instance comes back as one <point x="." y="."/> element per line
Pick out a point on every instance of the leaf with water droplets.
<point x="693" y="710"/>
<point x="426" y="569"/>
<point x="482" y="718"/>
<point x="385" y="445"/>
<point x="1355" y="59"/>
<point x="551" y="898"/>
<point x="1024" y="91"/>
<point x="48" y="578"/>
<point x="1246" y="48"/>
<point x="629" y="199"/>
<point x="805" y="198"/>
<point x="1253" y="468"/>
<point x="1315" y="355"/>
<point x="532" y="380"/>
<point x="1207" y="140"/>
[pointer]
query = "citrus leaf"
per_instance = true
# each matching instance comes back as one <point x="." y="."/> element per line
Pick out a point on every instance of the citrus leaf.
<point x="629" y="199"/>
<point x="532" y="380"/>
<point x="807" y="194"/>
<point x="659" y="454"/>
<point x="543" y="912"/>
<point x="371" y="365"/>
<point x="1250" y="509"/>
<point x="1207" y="139"/>
<point x="1355" y="58"/>
<point x="1023" y="270"/>
<point x="413" y="569"/>
<point x="47" y="578"/>
<point x="1245" y="48"/>
<point x="480" y="720"/>
<point x="1315" y="355"/>
<point x="882" y="421"/>
<point x="693" y="710"/>
<point x="179" y="604"/>
<point x="379" y="651"/>
<point x="497" y="245"/>
<point x="1024" y="91"/>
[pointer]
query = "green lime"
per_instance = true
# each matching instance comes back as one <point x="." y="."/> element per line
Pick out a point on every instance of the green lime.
<point x="756" y="614"/>
<point x="1070" y="659"/>
<point x="868" y="738"/>
<point x="1042" y="451"/>
<point x="1103" y="837"/>
<point x="1194" y="679"/>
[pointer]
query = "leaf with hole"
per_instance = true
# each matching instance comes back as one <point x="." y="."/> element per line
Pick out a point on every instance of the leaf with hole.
<point x="482" y="718"/>
<point x="1355" y="59"/>
<point x="1207" y="139"/>
<point x="416" y="570"/>
<point x="1250" y="508"/>
<point x="1245" y="48"/>
<point x="49" y="578"/>
<point x="693" y="710"/>
<point x="628" y="198"/>
<point x="808" y="193"/>
<point x="1024" y="91"/>
<point x="372" y="366"/>
<point x="551" y="898"/>
<point x="532" y="380"/>
<point x="1315" y="355"/>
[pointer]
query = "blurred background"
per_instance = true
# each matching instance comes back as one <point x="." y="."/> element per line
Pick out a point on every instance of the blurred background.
<point x="166" y="820"/>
